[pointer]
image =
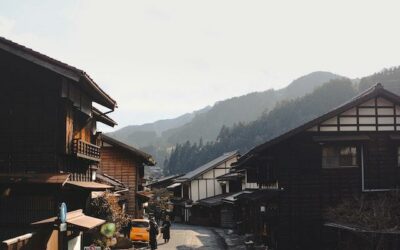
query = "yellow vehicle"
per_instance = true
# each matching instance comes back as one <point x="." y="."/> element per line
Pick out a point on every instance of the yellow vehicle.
<point x="140" y="231"/>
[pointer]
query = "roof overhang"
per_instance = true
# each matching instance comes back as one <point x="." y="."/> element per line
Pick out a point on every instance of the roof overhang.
<point x="17" y="239"/>
<point x="34" y="178"/>
<point x="177" y="184"/>
<point x="231" y="199"/>
<point x="88" y="185"/>
<point x="143" y="195"/>
<point x="63" y="69"/>
<point x="75" y="218"/>
<point x="231" y="177"/>
<point x="358" y="229"/>
<point x="103" y="118"/>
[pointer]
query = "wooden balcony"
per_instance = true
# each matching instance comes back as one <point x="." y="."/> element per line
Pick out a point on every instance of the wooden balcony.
<point x="86" y="150"/>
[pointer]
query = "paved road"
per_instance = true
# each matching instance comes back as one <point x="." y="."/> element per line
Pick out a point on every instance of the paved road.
<point x="184" y="237"/>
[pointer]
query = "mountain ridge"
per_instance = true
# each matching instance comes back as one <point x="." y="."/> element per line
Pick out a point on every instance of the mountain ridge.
<point x="160" y="137"/>
<point x="224" y="112"/>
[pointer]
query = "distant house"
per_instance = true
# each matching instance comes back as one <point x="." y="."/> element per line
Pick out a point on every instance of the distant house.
<point x="202" y="183"/>
<point x="352" y="150"/>
<point x="49" y="150"/>
<point x="126" y="164"/>
<point x="163" y="182"/>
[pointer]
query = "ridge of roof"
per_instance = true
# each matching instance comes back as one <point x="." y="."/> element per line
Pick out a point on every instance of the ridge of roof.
<point x="166" y="178"/>
<point x="375" y="90"/>
<point x="209" y="165"/>
<point x="148" y="159"/>
<point x="6" y="44"/>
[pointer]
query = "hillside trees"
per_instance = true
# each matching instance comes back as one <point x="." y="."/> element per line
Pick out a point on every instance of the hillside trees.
<point x="285" y="116"/>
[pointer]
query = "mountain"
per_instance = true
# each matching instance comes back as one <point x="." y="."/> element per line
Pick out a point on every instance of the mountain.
<point x="243" y="109"/>
<point x="147" y="134"/>
<point x="390" y="78"/>
<point x="285" y="116"/>
<point x="160" y="137"/>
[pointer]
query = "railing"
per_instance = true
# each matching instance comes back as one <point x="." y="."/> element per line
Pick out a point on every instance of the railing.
<point x="86" y="150"/>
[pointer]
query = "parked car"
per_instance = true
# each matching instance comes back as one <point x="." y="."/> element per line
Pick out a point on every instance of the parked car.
<point x="140" y="231"/>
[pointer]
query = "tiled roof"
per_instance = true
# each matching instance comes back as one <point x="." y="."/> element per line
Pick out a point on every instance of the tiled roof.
<point x="214" y="163"/>
<point x="58" y="67"/>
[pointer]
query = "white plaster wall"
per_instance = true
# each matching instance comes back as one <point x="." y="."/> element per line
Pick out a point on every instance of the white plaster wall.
<point x="208" y="174"/>
<point x="210" y="188"/>
<point x="367" y="111"/>
<point x="194" y="190"/>
<point x="203" y="190"/>
<point x="384" y="102"/>
<point x="219" y="172"/>
<point x="75" y="243"/>
<point x="332" y="121"/>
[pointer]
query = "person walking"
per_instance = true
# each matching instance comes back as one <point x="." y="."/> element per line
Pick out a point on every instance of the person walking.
<point x="153" y="231"/>
<point x="166" y="229"/>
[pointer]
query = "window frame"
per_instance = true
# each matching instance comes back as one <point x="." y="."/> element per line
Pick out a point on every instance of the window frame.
<point x="338" y="148"/>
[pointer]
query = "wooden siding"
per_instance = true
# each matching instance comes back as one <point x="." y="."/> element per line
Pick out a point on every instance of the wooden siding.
<point x="308" y="189"/>
<point x="36" y="129"/>
<point x="122" y="166"/>
<point x="37" y="124"/>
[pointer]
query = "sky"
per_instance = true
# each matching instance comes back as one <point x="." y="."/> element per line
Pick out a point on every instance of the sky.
<point x="161" y="59"/>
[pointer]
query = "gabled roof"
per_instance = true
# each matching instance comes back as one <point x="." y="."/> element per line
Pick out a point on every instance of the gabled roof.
<point x="210" y="165"/>
<point x="60" y="68"/>
<point x="163" y="180"/>
<point x="146" y="158"/>
<point x="374" y="91"/>
<point x="231" y="176"/>
<point x="213" y="201"/>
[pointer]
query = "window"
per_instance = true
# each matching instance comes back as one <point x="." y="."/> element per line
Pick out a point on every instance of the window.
<point x="339" y="156"/>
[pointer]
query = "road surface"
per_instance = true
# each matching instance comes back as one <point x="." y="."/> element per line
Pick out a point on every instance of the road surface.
<point x="184" y="237"/>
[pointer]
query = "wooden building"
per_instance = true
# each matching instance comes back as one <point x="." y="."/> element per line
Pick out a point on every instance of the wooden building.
<point x="126" y="164"/>
<point x="49" y="144"/>
<point x="202" y="182"/>
<point x="352" y="150"/>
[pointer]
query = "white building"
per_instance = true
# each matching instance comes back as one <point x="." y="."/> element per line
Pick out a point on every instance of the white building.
<point x="202" y="182"/>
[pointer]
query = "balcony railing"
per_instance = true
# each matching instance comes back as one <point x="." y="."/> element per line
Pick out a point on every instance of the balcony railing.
<point x="86" y="150"/>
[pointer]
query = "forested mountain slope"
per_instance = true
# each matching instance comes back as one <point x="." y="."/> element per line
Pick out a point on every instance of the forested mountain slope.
<point x="159" y="137"/>
<point x="244" y="109"/>
<point x="285" y="116"/>
<point x="207" y="122"/>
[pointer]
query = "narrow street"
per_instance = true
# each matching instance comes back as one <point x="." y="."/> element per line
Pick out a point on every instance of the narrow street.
<point x="191" y="237"/>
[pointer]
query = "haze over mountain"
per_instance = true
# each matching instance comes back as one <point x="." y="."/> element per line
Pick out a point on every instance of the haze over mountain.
<point x="158" y="137"/>
<point x="285" y="116"/>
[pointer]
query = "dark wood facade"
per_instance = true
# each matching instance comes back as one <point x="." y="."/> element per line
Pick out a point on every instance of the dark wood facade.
<point x="126" y="164"/>
<point x="351" y="150"/>
<point x="47" y="129"/>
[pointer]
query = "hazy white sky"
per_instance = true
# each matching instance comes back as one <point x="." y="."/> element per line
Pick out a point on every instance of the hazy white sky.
<point x="160" y="59"/>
